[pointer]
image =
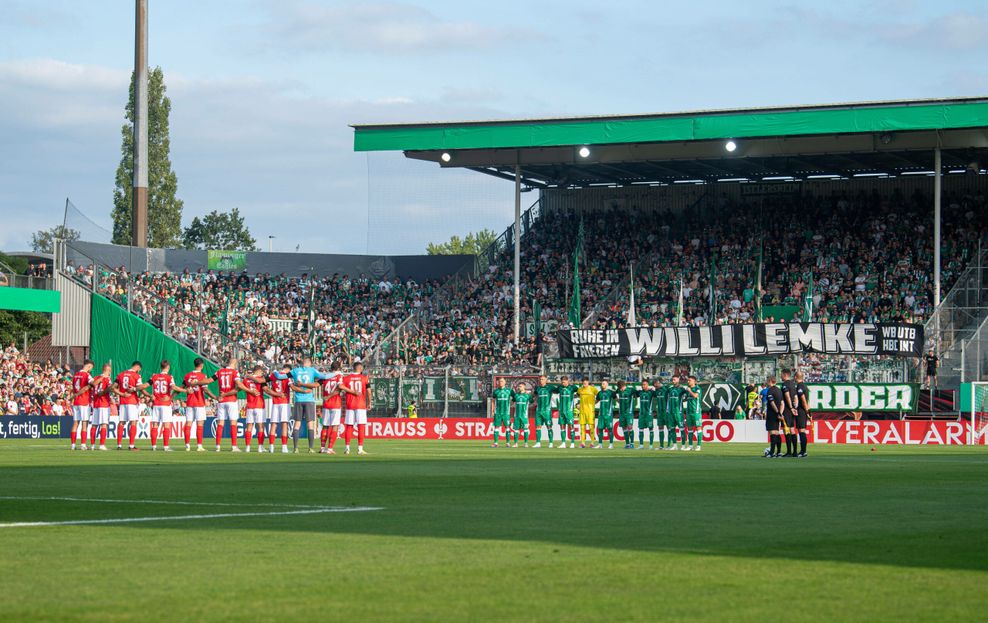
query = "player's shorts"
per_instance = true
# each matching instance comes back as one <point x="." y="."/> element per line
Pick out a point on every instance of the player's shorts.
<point x="605" y="421"/>
<point x="502" y="419"/>
<point x="694" y="420"/>
<point x="161" y="415"/>
<point x="195" y="414"/>
<point x="356" y="417"/>
<point x="280" y="413"/>
<point x="645" y="420"/>
<point x="304" y="411"/>
<point x="586" y="418"/>
<point x="565" y="417"/>
<point x="255" y="416"/>
<point x="228" y="411"/>
<point x="101" y="416"/>
<point x="802" y="419"/>
<point x="674" y="420"/>
<point x="543" y="418"/>
<point x="789" y="417"/>
<point x="520" y="422"/>
<point x="129" y="413"/>
<point x="771" y="423"/>
<point x="80" y="413"/>
<point x="331" y="417"/>
<point x="626" y="420"/>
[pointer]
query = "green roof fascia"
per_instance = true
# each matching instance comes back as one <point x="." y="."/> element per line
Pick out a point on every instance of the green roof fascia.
<point x="28" y="299"/>
<point x="706" y="126"/>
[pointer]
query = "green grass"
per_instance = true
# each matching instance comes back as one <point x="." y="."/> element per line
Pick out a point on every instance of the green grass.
<point x="471" y="533"/>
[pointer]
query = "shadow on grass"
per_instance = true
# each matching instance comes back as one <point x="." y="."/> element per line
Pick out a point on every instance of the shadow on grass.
<point x="922" y="514"/>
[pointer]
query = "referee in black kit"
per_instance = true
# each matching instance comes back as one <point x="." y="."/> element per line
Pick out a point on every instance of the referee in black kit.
<point x="789" y="413"/>
<point x="802" y="413"/>
<point x="773" y="413"/>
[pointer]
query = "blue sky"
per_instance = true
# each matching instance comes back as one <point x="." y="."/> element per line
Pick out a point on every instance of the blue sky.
<point x="263" y="92"/>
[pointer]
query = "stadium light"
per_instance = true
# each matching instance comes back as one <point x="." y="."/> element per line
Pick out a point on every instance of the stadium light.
<point x="730" y="146"/>
<point x="446" y="157"/>
<point x="584" y="152"/>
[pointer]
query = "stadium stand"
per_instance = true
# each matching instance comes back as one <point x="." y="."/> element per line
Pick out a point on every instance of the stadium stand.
<point x="27" y="387"/>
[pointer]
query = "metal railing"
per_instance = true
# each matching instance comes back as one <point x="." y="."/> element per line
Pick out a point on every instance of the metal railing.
<point x="14" y="280"/>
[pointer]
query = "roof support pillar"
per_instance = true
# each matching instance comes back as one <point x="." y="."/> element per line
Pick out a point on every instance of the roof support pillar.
<point x="937" y="192"/>
<point x="517" y="270"/>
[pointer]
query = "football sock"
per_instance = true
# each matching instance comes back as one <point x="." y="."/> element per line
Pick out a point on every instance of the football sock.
<point x="284" y="440"/>
<point x="362" y="432"/>
<point x="699" y="438"/>
<point x="260" y="437"/>
<point x="102" y="435"/>
<point x="333" y="432"/>
<point x="312" y="437"/>
<point x="641" y="438"/>
<point x="132" y="433"/>
<point x="802" y="443"/>
<point x="233" y="434"/>
<point x="188" y="433"/>
<point x="294" y="439"/>
<point x="73" y="436"/>
<point x="348" y="434"/>
<point x="323" y="437"/>
<point x="120" y="431"/>
<point x="93" y="431"/>
<point x="538" y="435"/>
<point x="219" y="432"/>
<point x="154" y="435"/>
<point x="525" y="433"/>
<point x="562" y="433"/>
<point x="496" y="435"/>
<point x="248" y="434"/>
<point x="199" y="426"/>
<point x="167" y="435"/>
<point x="548" y="429"/>
<point x="692" y="436"/>
<point x="662" y="438"/>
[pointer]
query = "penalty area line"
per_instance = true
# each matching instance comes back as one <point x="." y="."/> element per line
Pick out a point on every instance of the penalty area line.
<point x="165" y="502"/>
<point x="83" y="522"/>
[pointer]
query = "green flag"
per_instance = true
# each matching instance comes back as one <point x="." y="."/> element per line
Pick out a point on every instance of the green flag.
<point x="808" y="302"/>
<point x="713" y="298"/>
<point x="758" y="285"/>
<point x="575" y="316"/>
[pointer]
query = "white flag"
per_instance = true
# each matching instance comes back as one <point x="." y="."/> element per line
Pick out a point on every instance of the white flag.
<point x="632" y="317"/>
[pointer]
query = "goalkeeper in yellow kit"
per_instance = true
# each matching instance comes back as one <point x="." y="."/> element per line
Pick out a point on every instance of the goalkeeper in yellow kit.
<point x="588" y="402"/>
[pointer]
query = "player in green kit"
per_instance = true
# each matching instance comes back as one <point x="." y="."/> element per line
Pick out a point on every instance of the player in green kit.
<point x="646" y="400"/>
<point x="543" y="410"/>
<point x="626" y="413"/>
<point x="565" y="406"/>
<point x="674" y="412"/>
<point x="522" y="399"/>
<point x="605" y="418"/>
<point x="502" y="410"/>
<point x="661" y="393"/>
<point x="694" y="416"/>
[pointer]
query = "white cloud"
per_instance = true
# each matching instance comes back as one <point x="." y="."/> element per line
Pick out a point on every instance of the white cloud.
<point x="286" y="160"/>
<point x="383" y="27"/>
<point x="954" y="32"/>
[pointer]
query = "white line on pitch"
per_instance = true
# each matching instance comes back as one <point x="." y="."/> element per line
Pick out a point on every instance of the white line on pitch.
<point x="80" y="522"/>
<point x="166" y="502"/>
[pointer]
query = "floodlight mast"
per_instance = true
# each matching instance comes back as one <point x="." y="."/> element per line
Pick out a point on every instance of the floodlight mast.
<point x="139" y="196"/>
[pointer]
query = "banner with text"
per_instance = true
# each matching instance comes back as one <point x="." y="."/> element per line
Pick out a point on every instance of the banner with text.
<point x="744" y="340"/>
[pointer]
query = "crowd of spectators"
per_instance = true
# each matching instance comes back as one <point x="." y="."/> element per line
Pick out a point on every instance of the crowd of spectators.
<point x="863" y="257"/>
<point x="32" y="388"/>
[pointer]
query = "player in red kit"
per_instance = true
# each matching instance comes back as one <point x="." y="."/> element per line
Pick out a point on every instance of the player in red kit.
<point x="228" y="409"/>
<point x="278" y="389"/>
<point x="195" y="403"/>
<point x="129" y="385"/>
<point x="255" y="408"/>
<point x="357" y="388"/>
<point x="82" y="384"/>
<point x="331" y="409"/>
<point x="162" y="388"/>
<point x="102" y="388"/>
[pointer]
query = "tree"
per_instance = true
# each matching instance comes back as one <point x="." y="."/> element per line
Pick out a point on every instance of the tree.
<point x="219" y="230"/>
<point x="164" y="207"/>
<point x="473" y="244"/>
<point x="14" y="324"/>
<point x="44" y="241"/>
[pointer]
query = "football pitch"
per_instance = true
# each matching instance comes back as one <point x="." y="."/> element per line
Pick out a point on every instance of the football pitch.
<point x="441" y="531"/>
